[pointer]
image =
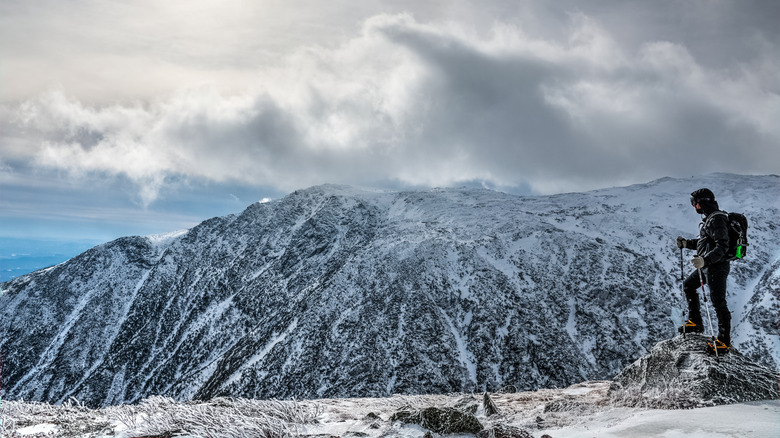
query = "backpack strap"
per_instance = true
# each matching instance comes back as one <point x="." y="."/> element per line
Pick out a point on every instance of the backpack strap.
<point x="705" y="223"/>
<point x="718" y="212"/>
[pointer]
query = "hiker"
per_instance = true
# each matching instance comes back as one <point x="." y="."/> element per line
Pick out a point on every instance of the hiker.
<point x="711" y="248"/>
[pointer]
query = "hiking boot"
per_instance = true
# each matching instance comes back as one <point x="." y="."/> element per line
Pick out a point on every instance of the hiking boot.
<point x="720" y="347"/>
<point x="690" y="327"/>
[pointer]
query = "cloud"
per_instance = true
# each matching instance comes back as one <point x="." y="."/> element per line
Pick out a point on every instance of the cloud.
<point x="430" y="103"/>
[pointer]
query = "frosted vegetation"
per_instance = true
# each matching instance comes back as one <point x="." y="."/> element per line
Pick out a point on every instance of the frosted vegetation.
<point x="578" y="410"/>
<point x="159" y="416"/>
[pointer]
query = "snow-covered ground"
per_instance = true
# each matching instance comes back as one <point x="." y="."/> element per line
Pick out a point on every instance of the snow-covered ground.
<point x="755" y="419"/>
<point x="583" y="410"/>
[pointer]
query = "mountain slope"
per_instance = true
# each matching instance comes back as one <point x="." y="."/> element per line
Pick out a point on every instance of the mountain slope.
<point x="333" y="291"/>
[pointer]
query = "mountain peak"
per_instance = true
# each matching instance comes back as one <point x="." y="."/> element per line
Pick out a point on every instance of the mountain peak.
<point x="336" y="291"/>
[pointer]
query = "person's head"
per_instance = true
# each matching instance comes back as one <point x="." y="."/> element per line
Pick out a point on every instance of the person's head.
<point x="703" y="200"/>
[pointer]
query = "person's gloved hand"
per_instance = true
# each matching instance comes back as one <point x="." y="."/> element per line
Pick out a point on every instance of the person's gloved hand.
<point x="698" y="262"/>
<point x="681" y="242"/>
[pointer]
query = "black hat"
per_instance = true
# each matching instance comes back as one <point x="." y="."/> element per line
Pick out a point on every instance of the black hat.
<point x="702" y="196"/>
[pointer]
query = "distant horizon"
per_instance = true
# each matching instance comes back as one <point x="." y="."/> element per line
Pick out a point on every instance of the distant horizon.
<point x="21" y="256"/>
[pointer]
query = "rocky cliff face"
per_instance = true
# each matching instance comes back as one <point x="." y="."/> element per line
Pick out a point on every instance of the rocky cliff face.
<point x="333" y="291"/>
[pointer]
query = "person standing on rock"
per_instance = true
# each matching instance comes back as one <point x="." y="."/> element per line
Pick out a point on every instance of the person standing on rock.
<point x="711" y="248"/>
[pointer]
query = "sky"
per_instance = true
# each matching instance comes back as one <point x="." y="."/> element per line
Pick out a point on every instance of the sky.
<point x="138" y="117"/>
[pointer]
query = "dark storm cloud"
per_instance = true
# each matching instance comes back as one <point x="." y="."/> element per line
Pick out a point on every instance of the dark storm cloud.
<point x="585" y="109"/>
<point x="560" y="97"/>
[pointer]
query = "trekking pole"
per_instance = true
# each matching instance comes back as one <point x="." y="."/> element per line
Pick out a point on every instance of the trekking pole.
<point x="712" y="330"/>
<point x="682" y="289"/>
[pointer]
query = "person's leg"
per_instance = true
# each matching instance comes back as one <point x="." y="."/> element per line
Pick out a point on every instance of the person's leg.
<point x="718" y="276"/>
<point x="690" y="286"/>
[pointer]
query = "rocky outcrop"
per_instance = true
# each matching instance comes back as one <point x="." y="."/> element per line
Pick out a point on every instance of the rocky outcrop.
<point x="504" y="431"/>
<point x="680" y="373"/>
<point x="440" y="420"/>
<point x="490" y="406"/>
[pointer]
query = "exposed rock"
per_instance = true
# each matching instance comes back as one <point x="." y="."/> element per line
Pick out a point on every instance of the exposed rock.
<point x="490" y="407"/>
<point x="440" y="420"/>
<point x="372" y="416"/>
<point x="373" y="419"/>
<point x="504" y="431"/>
<point x="679" y="373"/>
<point x="467" y="404"/>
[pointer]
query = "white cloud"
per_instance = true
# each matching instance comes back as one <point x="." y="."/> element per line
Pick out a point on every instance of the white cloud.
<point x="432" y="103"/>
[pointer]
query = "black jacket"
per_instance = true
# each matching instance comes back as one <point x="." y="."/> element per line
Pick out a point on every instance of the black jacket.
<point x="713" y="241"/>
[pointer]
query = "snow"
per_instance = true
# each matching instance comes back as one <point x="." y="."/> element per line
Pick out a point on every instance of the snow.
<point x="571" y="322"/>
<point x="262" y="353"/>
<point x="584" y="411"/>
<point x="50" y="354"/>
<point x="755" y="419"/>
<point x="466" y="358"/>
<point x="163" y="239"/>
<point x="43" y="428"/>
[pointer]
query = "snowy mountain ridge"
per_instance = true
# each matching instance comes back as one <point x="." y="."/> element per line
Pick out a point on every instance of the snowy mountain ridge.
<point x="337" y="292"/>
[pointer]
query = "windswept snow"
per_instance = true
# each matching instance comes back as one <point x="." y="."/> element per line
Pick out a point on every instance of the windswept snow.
<point x="163" y="239"/>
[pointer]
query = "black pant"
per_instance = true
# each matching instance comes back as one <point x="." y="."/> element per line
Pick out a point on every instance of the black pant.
<point x="715" y="278"/>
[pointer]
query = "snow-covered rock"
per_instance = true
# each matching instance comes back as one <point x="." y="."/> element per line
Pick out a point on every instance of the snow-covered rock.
<point x="441" y="420"/>
<point x="680" y="373"/>
<point x="334" y="292"/>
